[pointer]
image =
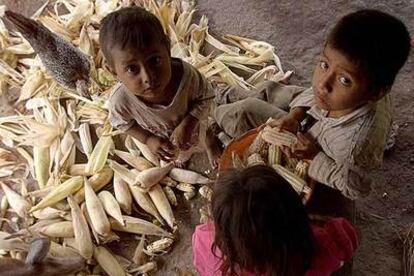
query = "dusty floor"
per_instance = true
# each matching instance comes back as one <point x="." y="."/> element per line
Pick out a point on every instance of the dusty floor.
<point x="297" y="29"/>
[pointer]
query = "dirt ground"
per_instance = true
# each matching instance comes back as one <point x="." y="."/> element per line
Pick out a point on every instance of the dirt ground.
<point x="297" y="29"/>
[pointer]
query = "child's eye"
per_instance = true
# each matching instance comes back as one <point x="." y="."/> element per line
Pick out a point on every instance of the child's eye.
<point x="156" y="60"/>
<point x="345" y="81"/>
<point x="131" y="69"/>
<point x="323" y="65"/>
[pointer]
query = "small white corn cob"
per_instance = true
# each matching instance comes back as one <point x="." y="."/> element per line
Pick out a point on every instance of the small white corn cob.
<point x="122" y="194"/>
<point x="138" y="226"/>
<point x="111" y="206"/>
<point x="162" y="204"/>
<point x="302" y="169"/>
<point x="274" y="155"/>
<point x="159" y="247"/>
<point x="170" y="195"/>
<point x="297" y="183"/>
<point x="255" y="159"/>
<point x="257" y="144"/>
<point x="185" y="187"/>
<point x="82" y="234"/>
<point x="96" y="211"/>
<point x="62" y="229"/>
<point x="41" y="159"/>
<point x="99" y="154"/>
<point x="137" y="162"/>
<point x="291" y="162"/>
<point x="68" y="187"/>
<point x="206" y="192"/>
<point x="182" y="175"/>
<point x="279" y="137"/>
<point x="85" y="138"/>
<point x="16" y="201"/>
<point x="108" y="262"/>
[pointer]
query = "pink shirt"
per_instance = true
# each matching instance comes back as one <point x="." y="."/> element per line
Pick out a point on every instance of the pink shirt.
<point x="335" y="243"/>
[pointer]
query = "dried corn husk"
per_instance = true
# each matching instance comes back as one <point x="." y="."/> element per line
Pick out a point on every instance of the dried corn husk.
<point x="182" y="175"/>
<point x="169" y="193"/>
<point x="62" y="229"/>
<point x="122" y="194"/>
<point x="16" y="201"/>
<point x="41" y="159"/>
<point x="148" y="178"/>
<point x="146" y="152"/>
<point x="137" y="162"/>
<point x="163" y="206"/>
<point x="138" y="226"/>
<point x="99" y="155"/>
<point x="144" y="201"/>
<point x="111" y="206"/>
<point x="107" y="261"/>
<point x="97" y="182"/>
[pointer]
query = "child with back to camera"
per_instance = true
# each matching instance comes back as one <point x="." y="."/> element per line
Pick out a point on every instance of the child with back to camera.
<point x="160" y="101"/>
<point x="260" y="227"/>
<point x="348" y="104"/>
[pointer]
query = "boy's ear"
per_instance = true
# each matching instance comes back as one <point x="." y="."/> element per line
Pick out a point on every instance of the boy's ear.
<point x="381" y="93"/>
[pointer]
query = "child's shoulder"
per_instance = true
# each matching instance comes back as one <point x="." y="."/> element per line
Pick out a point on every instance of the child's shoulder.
<point x="119" y="96"/>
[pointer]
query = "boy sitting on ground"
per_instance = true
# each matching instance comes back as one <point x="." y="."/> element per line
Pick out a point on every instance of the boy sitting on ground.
<point x="348" y="104"/>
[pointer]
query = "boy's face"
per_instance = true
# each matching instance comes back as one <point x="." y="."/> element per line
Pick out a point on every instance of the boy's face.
<point x="144" y="71"/>
<point x="339" y="86"/>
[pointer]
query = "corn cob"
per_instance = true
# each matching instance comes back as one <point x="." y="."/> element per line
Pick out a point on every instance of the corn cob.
<point x="82" y="234"/>
<point x="257" y="144"/>
<point x="274" y="155"/>
<point x="111" y="206"/>
<point x="170" y="195"/>
<point x="302" y="169"/>
<point x="88" y="220"/>
<point x="255" y="159"/>
<point x="297" y="183"/>
<point x="97" y="182"/>
<point x="107" y="261"/>
<point x="144" y="201"/>
<point x="96" y="211"/>
<point x="185" y="187"/>
<point x="279" y="137"/>
<point x="122" y="194"/>
<point x="138" y="226"/>
<point x="206" y="192"/>
<point x="16" y="201"/>
<point x="78" y="169"/>
<point x="137" y="162"/>
<point x="85" y="138"/>
<point x="162" y="204"/>
<point x="62" y="229"/>
<point x="237" y="162"/>
<point x="148" y="178"/>
<point x="159" y="247"/>
<point x="187" y="176"/>
<point x="99" y="155"/>
<point x="60" y="192"/>
<point x="291" y="162"/>
<point x="146" y="152"/>
<point x="41" y="159"/>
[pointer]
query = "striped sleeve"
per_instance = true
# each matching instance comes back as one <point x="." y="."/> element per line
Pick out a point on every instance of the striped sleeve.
<point x="353" y="181"/>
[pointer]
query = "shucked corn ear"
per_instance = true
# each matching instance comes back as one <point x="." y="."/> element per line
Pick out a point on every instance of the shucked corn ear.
<point x="96" y="211"/>
<point x="82" y="234"/>
<point x="182" y="175"/>
<point x="138" y="226"/>
<point x="99" y="155"/>
<point x="111" y="206"/>
<point x="302" y="169"/>
<point x="279" y="137"/>
<point x="274" y="155"/>
<point x="255" y="159"/>
<point x="163" y="205"/>
<point x="185" y="187"/>
<point x="60" y="192"/>
<point x="297" y="183"/>
<point x="122" y="194"/>
<point x="108" y="262"/>
<point x="16" y="201"/>
<point x="159" y="247"/>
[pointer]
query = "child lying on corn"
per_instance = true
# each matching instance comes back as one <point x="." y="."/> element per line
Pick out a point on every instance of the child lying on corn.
<point x="349" y="102"/>
<point x="160" y="101"/>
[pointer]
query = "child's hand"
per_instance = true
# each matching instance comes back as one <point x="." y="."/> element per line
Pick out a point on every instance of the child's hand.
<point x="305" y="148"/>
<point x="161" y="147"/>
<point x="185" y="134"/>
<point x="286" y="122"/>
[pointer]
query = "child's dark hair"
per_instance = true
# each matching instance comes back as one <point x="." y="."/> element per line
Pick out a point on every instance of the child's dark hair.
<point x="131" y="27"/>
<point x="377" y="42"/>
<point x="260" y="224"/>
